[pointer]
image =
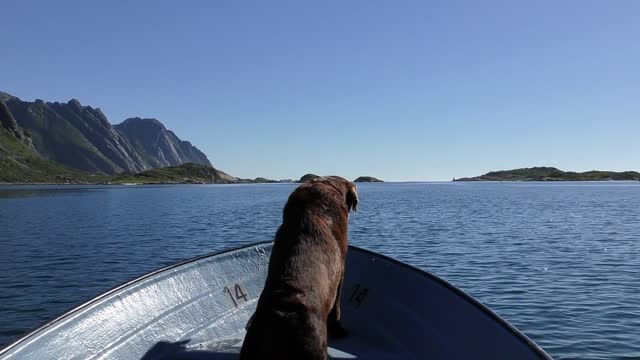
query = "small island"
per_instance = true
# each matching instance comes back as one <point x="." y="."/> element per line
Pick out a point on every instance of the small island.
<point x="367" y="179"/>
<point x="308" y="177"/>
<point x="362" y="179"/>
<point x="553" y="174"/>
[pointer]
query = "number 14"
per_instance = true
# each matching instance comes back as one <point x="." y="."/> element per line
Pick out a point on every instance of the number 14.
<point x="239" y="294"/>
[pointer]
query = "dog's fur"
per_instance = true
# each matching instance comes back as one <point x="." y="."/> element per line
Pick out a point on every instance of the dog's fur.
<point x="300" y="302"/>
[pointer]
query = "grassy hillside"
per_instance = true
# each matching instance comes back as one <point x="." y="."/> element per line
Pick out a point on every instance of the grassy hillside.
<point x="19" y="164"/>
<point x="186" y="173"/>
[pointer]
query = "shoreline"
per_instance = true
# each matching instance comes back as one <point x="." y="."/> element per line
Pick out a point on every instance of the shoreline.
<point x="296" y="183"/>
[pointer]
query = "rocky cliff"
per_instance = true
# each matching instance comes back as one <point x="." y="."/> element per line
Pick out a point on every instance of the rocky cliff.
<point x="158" y="146"/>
<point x="9" y="124"/>
<point x="20" y="163"/>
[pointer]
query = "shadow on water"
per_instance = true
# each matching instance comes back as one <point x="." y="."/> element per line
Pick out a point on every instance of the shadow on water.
<point x="165" y="350"/>
<point x="8" y="193"/>
<point x="23" y="191"/>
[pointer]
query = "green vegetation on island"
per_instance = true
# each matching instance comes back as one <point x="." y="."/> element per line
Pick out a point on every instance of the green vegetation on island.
<point x="367" y="179"/>
<point x="18" y="164"/>
<point x="189" y="173"/>
<point x="554" y="174"/>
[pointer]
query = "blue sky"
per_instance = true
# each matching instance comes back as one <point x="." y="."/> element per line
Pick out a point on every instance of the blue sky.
<point x="400" y="90"/>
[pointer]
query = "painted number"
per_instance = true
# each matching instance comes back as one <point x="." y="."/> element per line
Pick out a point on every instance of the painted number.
<point x="358" y="295"/>
<point x="237" y="294"/>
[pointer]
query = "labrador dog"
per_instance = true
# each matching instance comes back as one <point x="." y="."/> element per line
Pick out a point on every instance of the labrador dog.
<point x="300" y="303"/>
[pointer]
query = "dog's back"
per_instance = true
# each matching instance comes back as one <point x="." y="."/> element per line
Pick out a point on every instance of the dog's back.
<point x="305" y="274"/>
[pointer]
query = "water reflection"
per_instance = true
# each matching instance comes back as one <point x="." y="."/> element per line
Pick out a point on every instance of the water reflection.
<point x="24" y="191"/>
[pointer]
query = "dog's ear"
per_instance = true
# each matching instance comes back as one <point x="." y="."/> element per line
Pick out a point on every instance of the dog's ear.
<point x="352" y="198"/>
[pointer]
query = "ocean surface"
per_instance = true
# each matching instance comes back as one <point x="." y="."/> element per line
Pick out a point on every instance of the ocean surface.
<point x="560" y="261"/>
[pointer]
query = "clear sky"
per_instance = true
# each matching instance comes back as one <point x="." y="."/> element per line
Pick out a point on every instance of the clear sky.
<point x="400" y="90"/>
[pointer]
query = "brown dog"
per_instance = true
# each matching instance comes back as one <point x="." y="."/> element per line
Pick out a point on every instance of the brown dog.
<point x="300" y="302"/>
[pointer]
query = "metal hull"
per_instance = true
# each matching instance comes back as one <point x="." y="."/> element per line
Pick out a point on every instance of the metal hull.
<point x="198" y="309"/>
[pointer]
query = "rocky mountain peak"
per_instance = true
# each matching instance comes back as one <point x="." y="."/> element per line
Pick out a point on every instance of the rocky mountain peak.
<point x="7" y="97"/>
<point x="151" y="137"/>
<point x="75" y="104"/>
<point x="147" y="124"/>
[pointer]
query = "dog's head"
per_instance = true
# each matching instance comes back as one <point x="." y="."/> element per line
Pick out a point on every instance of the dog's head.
<point x="347" y="189"/>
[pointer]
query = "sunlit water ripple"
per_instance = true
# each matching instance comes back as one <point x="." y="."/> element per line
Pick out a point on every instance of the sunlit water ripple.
<point x="559" y="261"/>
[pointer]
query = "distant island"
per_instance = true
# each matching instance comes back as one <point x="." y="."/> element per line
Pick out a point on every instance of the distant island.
<point x="309" y="177"/>
<point x="367" y="179"/>
<point x="553" y="174"/>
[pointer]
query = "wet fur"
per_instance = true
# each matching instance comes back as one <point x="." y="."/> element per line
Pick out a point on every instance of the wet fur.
<point x="300" y="303"/>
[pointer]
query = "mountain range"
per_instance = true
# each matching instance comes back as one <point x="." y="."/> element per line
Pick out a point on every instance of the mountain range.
<point x="82" y="138"/>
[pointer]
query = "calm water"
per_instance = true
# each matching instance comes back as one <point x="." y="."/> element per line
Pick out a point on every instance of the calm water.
<point x="559" y="261"/>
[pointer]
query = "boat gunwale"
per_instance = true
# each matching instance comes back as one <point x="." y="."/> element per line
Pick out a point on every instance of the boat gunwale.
<point x="512" y="329"/>
<point x="486" y="310"/>
<point x="122" y="286"/>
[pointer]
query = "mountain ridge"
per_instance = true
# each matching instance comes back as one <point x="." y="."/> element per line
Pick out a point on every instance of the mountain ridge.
<point x="20" y="163"/>
<point x="159" y="146"/>
<point x="83" y="138"/>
